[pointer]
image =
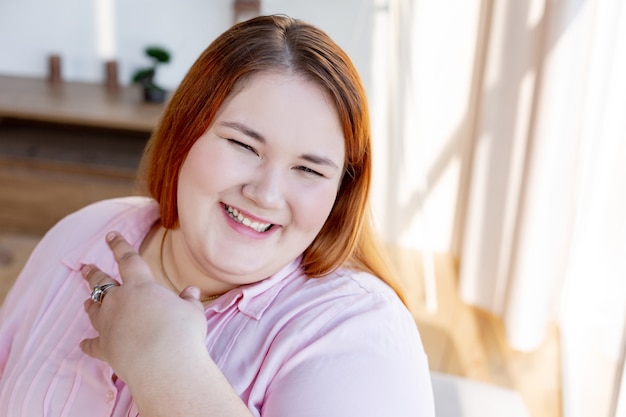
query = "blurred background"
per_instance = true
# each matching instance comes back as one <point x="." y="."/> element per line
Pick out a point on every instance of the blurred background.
<point x="500" y="152"/>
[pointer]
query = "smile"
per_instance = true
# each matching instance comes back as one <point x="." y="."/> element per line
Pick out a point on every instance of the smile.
<point x="234" y="214"/>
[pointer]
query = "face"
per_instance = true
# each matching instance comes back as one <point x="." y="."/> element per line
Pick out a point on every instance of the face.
<point x="257" y="187"/>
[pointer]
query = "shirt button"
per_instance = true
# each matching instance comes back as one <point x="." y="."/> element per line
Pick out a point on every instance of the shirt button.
<point x="110" y="396"/>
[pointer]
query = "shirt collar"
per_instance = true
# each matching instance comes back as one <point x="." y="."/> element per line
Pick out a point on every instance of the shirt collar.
<point x="253" y="299"/>
<point x="133" y="224"/>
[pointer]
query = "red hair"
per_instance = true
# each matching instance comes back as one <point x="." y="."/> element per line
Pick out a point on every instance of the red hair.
<point x="277" y="44"/>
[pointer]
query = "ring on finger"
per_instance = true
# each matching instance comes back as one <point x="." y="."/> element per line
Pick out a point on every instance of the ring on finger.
<point x="99" y="291"/>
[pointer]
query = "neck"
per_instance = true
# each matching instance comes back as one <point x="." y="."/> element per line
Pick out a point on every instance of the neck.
<point x="168" y="280"/>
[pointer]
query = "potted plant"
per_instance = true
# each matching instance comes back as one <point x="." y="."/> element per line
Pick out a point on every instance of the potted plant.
<point x="145" y="76"/>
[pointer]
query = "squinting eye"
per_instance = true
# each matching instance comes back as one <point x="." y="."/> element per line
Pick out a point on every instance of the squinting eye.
<point x="309" y="171"/>
<point x="244" y="146"/>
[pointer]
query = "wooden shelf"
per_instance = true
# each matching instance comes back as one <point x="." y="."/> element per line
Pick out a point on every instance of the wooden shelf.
<point x="71" y="148"/>
<point x="64" y="146"/>
<point x="73" y="103"/>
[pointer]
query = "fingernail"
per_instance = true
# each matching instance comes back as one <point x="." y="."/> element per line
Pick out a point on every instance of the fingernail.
<point x="85" y="269"/>
<point x="195" y="292"/>
<point x="110" y="236"/>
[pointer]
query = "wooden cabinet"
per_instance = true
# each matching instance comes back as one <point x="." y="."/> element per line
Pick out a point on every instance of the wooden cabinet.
<point x="64" y="146"/>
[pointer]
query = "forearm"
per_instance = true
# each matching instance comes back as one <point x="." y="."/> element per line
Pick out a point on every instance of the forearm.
<point x="189" y="385"/>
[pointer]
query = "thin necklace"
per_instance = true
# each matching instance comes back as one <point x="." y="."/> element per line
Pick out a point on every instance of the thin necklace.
<point x="167" y="278"/>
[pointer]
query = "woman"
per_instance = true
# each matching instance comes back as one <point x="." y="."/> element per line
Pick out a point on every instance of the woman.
<point x="249" y="282"/>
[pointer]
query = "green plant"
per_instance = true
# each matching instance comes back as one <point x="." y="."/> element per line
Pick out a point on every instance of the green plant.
<point x="145" y="76"/>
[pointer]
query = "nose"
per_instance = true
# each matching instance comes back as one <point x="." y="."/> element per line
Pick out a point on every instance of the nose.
<point x="266" y="188"/>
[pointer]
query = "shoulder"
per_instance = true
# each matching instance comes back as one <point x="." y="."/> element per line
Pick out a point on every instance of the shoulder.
<point x="109" y="208"/>
<point x="103" y="213"/>
<point x="348" y="338"/>
<point x="347" y="285"/>
<point x="94" y="220"/>
<point x="359" y="302"/>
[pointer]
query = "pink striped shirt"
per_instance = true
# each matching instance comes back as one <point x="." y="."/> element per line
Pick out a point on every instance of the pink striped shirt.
<point x="343" y="345"/>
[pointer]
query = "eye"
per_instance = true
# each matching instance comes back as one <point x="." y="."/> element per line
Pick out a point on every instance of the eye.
<point x="308" y="170"/>
<point x="243" y="146"/>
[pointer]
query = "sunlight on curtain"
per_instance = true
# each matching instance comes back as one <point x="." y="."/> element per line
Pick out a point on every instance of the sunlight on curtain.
<point x="544" y="230"/>
<point x="593" y="316"/>
<point x="421" y="71"/>
<point x="545" y="235"/>
<point x="420" y="98"/>
<point x="506" y="116"/>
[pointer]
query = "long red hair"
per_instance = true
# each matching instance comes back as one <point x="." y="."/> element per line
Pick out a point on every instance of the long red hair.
<point x="277" y="43"/>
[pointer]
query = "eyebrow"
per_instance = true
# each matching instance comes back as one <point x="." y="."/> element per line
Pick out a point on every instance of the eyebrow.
<point x="245" y="130"/>
<point x="315" y="159"/>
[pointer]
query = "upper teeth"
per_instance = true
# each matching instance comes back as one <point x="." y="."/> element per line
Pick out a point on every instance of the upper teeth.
<point x="238" y="217"/>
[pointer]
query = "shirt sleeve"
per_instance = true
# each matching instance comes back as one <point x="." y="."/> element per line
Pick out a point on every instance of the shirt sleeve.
<point x="44" y="272"/>
<point x="14" y="307"/>
<point x="366" y="361"/>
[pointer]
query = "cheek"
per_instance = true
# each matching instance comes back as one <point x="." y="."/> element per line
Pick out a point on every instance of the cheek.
<point x="313" y="209"/>
<point x="204" y="167"/>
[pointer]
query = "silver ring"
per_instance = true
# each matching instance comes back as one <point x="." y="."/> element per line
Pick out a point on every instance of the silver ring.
<point x="99" y="291"/>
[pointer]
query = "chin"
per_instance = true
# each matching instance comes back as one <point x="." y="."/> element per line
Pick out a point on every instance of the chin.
<point x="246" y="275"/>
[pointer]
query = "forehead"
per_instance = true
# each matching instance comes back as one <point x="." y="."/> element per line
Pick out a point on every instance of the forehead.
<point x="263" y="81"/>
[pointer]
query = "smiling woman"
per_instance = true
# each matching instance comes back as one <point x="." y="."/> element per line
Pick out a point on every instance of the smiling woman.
<point x="248" y="281"/>
<point x="257" y="159"/>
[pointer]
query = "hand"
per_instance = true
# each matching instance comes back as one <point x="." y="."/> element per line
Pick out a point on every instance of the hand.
<point x="141" y="324"/>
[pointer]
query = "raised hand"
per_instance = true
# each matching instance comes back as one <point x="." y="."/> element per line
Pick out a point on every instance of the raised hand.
<point x="141" y="324"/>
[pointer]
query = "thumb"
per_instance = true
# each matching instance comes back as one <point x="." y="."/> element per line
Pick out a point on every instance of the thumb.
<point x="91" y="347"/>
<point x="192" y="294"/>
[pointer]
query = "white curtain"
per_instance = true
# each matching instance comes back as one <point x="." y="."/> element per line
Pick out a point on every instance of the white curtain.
<point x="504" y="126"/>
<point x="593" y="309"/>
<point x="546" y="231"/>
<point x="421" y="65"/>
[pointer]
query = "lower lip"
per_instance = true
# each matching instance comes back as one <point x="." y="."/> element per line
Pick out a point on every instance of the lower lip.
<point x="245" y="230"/>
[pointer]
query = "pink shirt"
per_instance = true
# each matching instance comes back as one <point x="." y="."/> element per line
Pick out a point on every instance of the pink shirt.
<point x="343" y="345"/>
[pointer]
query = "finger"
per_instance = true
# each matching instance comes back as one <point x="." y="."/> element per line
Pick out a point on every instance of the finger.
<point x="92" y="308"/>
<point x="131" y="264"/>
<point x="95" y="276"/>
<point x="192" y="294"/>
<point x="91" y="347"/>
<point x="88" y="303"/>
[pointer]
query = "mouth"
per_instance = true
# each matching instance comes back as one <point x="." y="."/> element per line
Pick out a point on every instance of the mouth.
<point x="234" y="214"/>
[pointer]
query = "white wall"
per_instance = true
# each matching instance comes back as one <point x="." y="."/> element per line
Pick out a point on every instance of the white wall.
<point x="32" y="29"/>
<point x="78" y="30"/>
